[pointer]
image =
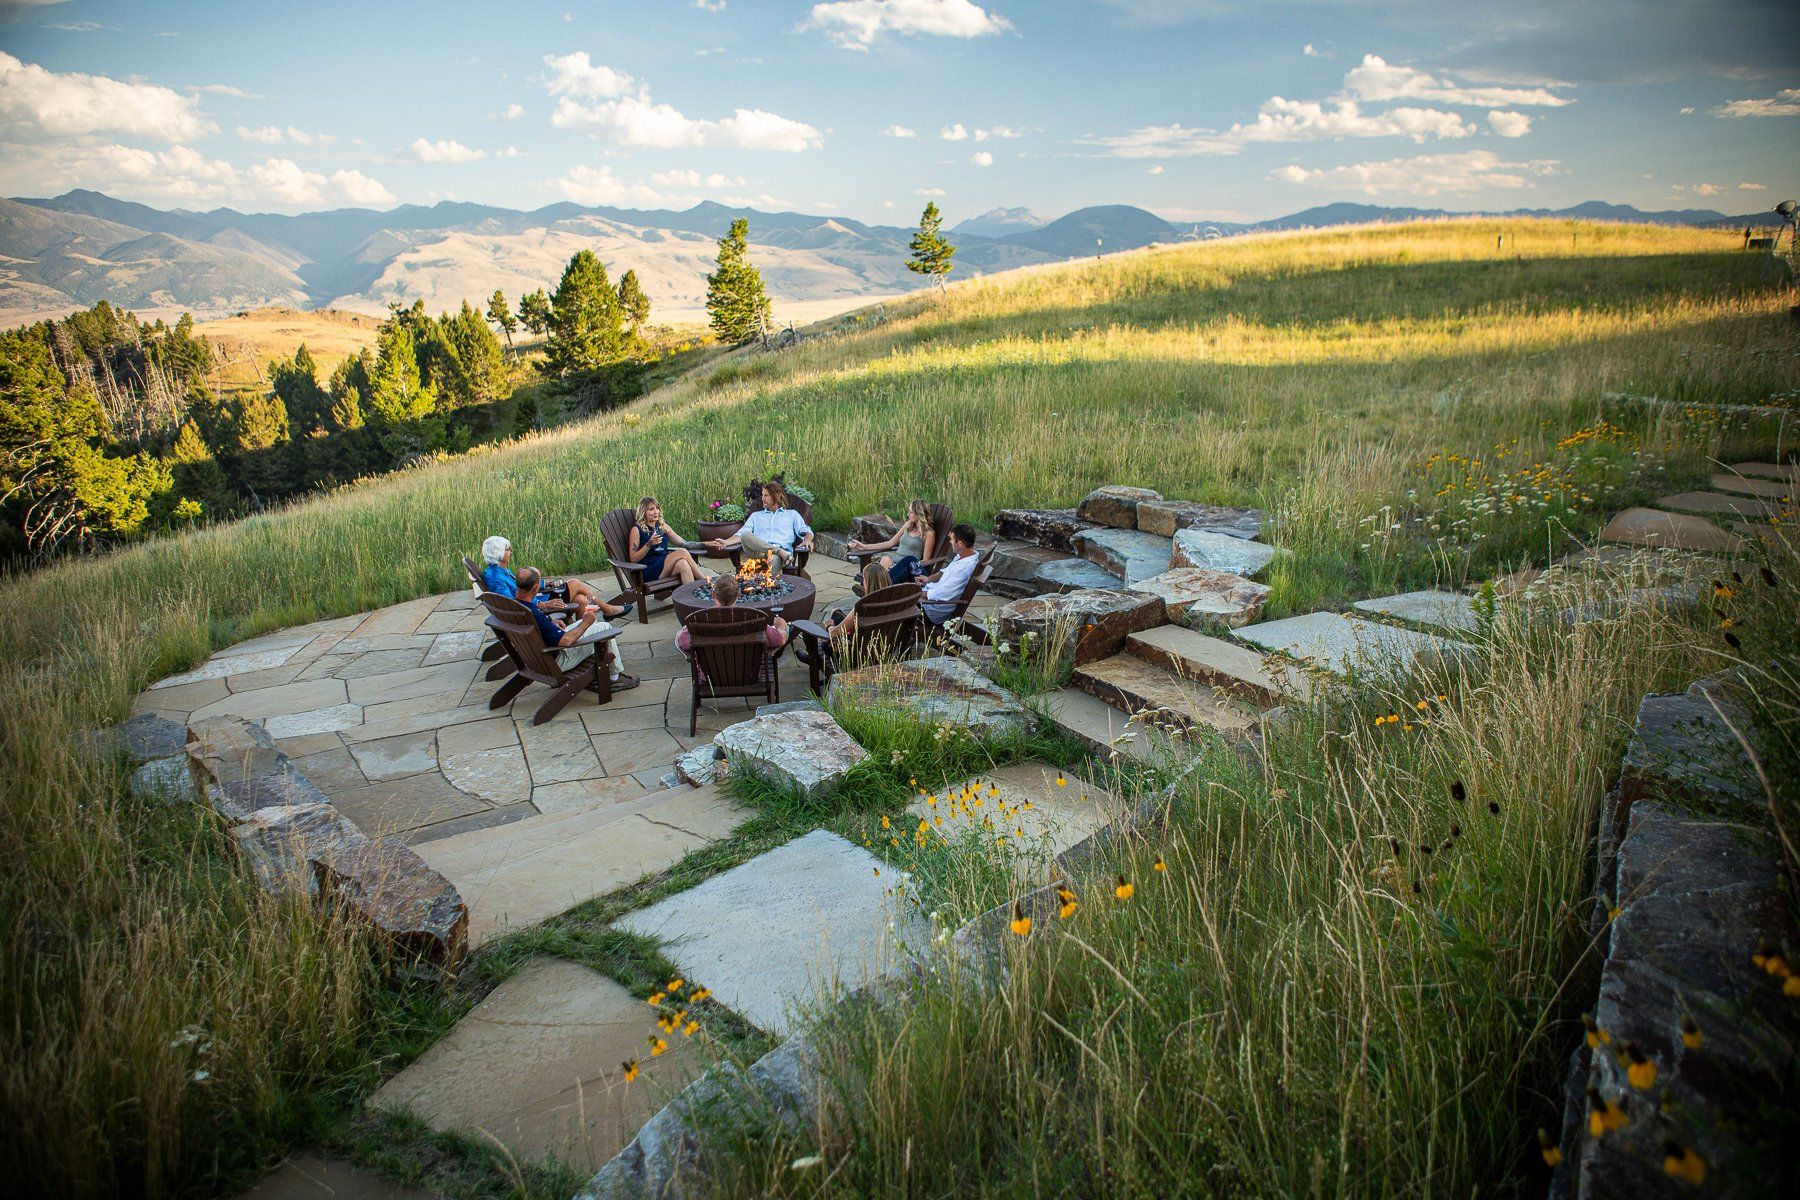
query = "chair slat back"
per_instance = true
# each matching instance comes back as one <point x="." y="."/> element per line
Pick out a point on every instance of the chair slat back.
<point x="512" y="622"/>
<point x="615" y="530"/>
<point x="942" y="518"/>
<point x="473" y="570"/>
<point x="889" y="622"/>
<point x="728" y="646"/>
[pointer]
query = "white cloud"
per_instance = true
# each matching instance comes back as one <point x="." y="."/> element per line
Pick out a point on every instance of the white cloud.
<point x="634" y="120"/>
<point x="1707" y="189"/>
<point x="446" y="151"/>
<point x="1165" y="141"/>
<point x="1284" y="120"/>
<point x="576" y="75"/>
<point x="275" y="134"/>
<point x="982" y="158"/>
<point x="513" y="113"/>
<point x="1157" y="169"/>
<point x="1430" y="175"/>
<point x="694" y="179"/>
<point x="929" y="192"/>
<point x="710" y="5"/>
<point x="588" y="185"/>
<point x="360" y="189"/>
<point x="267" y="134"/>
<point x="1509" y="124"/>
<point x="1753" y="187"/>
<point x="1688" y="111"/>
<point x="856" y="24"/>
<point x="1376" y="80"/>
<point x="954" y="133"/>
<point x="1329" y="50"/>
<point x="223" y="89"/>
<point x="1785" y="103"/>
<point x="35" y="102"/>
<point x="899" y="131"/>
<point x="887" y="204"/>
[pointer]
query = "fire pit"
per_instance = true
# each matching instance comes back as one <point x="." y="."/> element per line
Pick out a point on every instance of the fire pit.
<point x="757" y="588"/>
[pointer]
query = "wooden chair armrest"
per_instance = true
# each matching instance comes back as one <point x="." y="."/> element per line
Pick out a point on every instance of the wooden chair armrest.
<point x="932" y="565"/>
<point x="809" y="629"/>
<point x="625" y="564"/>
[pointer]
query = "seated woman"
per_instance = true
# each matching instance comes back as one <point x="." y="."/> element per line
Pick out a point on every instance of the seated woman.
<point x="569" y="596"/>
<point x="651" y="539"/>
<point x="774" y="531"/>
<point x="913" y="543"/>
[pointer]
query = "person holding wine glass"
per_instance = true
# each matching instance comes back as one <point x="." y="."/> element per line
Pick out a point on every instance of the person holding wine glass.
<point x="658" y="547"/>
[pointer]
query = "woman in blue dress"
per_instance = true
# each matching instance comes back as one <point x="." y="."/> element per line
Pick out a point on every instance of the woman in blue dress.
<point x="659" y="548"/>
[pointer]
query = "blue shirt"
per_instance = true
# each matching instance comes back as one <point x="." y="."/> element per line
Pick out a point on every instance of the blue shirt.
<point x="783" y="527"/>
<point x="553" y="633"/>
<point x="500" y="581"/>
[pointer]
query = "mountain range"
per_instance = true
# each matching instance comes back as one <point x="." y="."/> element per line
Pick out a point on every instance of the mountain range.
<point x="73" y="250"/>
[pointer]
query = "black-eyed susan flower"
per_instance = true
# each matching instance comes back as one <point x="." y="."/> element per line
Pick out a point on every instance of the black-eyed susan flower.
<point x="688" y="1029"/>
<point x="657" y="1045"/>
<point x="630" y="1067"/>
<point x="699" y="995"/>
<point x="1159" y="864"/>
<point x="1550" y="1150"/>
<point x="1069" y="903"/>
<point x="1683" y="1163"/>
<point x="656" y="998"/>
<point x="1021" y="924"/>
<point x="675" y="985"/>
<point x="1640" y="1071"/>
<point x="1596" y="1036"/>
<point x="1604" y="1116"/>
<point x="1690" y="1032"/>
<point x="1124" y="890"/>
<point x="1060" y="781"/>
<point x="884" y="823"/>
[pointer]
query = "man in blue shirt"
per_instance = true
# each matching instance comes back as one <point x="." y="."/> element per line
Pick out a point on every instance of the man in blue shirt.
<point x="497" y="577"/>
<point x="774" y="531"/>
<point x="580" y="633"/>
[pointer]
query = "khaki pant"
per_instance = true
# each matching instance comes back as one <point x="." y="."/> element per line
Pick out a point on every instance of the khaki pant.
<point x="756" y="547"/>
<point x="599" y="627"/>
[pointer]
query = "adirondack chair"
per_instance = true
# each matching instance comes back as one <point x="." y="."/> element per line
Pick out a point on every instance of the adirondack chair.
<point x="512" y="623"/>
<point x="615" y="527"/>
<point x="942" y="518"/>
<point x="889" y="624"/>
<point x="494" y="652"/>
<point x="729" y="656"/>
<point x="940" y="631"/>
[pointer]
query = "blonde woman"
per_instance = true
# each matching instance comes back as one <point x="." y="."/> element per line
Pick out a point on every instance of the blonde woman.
<point x="661" y="550"/>
<point x="913" y="543"/>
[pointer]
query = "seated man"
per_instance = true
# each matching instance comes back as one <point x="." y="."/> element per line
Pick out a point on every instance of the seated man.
<point x="571" y="597"/>
<point x="580" y="633"/>
<point x="944" y="590"/>
<point x="773" y="531"/>
<point x="725" y="594"/>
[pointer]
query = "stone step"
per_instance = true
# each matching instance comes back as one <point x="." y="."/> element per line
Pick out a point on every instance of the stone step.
<point x="1128" y="554"/>
<point x="1341" y="644"/>
<point x="1023" y="803"/>
<point x="1668" y="531"/>
<point x="1099" y="726"/>
<point x="1051" y="528"/>
<point x="1783" y="489"/>
<point x="1715" y="504"/>
<point x="1129" y="683"/>
<point x="1211" y="662"/>
<point x="1445" y="610"/>
<point x="1788" y="472"/>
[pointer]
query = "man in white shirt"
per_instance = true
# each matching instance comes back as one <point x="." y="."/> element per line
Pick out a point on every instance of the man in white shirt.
<point x="944" y="590"/>
<point x="774" y="531"/>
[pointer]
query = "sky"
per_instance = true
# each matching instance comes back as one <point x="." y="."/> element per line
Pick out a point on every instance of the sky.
<point x="1194" y="109"/>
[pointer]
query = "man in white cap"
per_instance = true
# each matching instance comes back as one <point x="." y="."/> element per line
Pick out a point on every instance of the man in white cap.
<point x="573" y="596"/>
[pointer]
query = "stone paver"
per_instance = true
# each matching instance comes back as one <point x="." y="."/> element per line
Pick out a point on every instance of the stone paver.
<point x="935" y="690"/>
<point x="1038" y="818"/>
<point x="1789" y="472"/>
<point x="1667" y="530"/>
<point x="1197" y="595"/>
<point x="536" y="1065"/>
<point x="1220" y="552"/>
<point x="788" y="927"/>
<point x="1341" y="644"/>
<point x="310" y="1176"/>
<point x="281" y="700"/>
<point x="805" y="751"/>
<point x="1446" y="610"/>
<point x="1125" y="553"/>
<point x="1715" y="504"/>
<point x="1783" y="490"/>
<point x="1166" y="516"/>
<point x="1074" y="574"/>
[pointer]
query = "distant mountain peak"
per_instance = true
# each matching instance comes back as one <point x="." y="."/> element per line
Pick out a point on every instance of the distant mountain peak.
<point x="1001" y="222"/>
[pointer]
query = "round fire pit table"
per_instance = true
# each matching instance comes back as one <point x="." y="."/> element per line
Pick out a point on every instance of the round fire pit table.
<point x="796" y="604"/>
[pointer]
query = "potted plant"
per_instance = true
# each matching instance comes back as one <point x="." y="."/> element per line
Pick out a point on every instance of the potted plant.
<point x="721" y="519"/>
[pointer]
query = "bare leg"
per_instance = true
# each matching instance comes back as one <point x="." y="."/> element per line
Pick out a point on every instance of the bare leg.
<point x="581" y="593"/>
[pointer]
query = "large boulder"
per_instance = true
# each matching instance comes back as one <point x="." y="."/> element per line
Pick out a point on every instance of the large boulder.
<point x="1217" y="552"/>
<point x="1071" y="575"/>
<point x="1164" y="517"/>
<point x="1101" y="619"/>
<point x="394" y="889"/>
<point x="935" y="690"/>
<point x="1669" y="531"/>
<point x="1125" y="553"/>
<point x="282" y="843"/>
<point x="1195" y="596"/>
<point x="804" y="751"/>
<point x="141" y="738"/>
<point x="231" y="749"/>
<point x="1114" y="505"/>
<point x="1052" y="528"/>
<point x="169" y="780"/>
<point x="873" y="527"/>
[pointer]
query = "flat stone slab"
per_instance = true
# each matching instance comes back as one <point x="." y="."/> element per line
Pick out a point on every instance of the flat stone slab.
<point x="1446" y="610"/>
<point x="787" y="928"/>
<point x="1114" y="505"/>
<point x="804" y="751"/>
<point x="1100" y="727"/>
<point x="1788" y="472"/>
<point x="1218" y="552"/>
<point x="170" y="780"/>
<point x="1164" y="700"/>
<point x="1199" y="595"/>
<point x="1343" y="644"/>
<point x="1021" y="560"/>
<point x="1215" y="663"/>
<point x="1669" y="531"/>
<point x="1098" y="620"/>
<point x="1126" y="553"/>
<point x="141" y="738"/>
<point x="1715" y="504"/>
<point x="390" y="885"/>
<point x="1037" y="818"/>
<point x="310" y="1176"/>
<point x="1053" y="528"/>
<point x="1074" y="575"/>
<point x="281" y="700"/>
<point x="700" y="766"/>
<point x="536" y="1065"/>
<point x="1165" y="517"/>
<point x="935" y="690"/>
<point x="1782" y="490"/>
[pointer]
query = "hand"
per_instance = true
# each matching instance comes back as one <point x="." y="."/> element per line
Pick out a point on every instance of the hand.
<point x="715" y="543"/>
<point x="781" y="624"/>
<point x="855" y="545"/>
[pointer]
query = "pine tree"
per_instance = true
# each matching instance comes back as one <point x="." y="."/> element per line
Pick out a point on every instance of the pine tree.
<point x="478" y="353"/>
<point x="501" y="315"/>
<point x="296" y="382"/>
<point x="396" y="393"/>
<point x="534" y="312"/>
<point x="632" y="302"/>
<point x="350" y="391"/>
<point x="931" y="254"/>
<point x="196" y="473"/>
<point x="734" y="292"/>
<point x="586" y="329"/>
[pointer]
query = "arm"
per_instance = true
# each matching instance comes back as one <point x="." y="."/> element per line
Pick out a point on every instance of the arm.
<point x="573" y="633"/>
<point x="803" y="533"/>
<point x="636" y="551"/>
<point x="889" y="544"/>
<point x="674" y="538"/>
<point x="930" y="544"/>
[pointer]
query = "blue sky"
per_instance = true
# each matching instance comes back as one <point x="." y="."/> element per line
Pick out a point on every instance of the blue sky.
<point x="1194" y="109"/>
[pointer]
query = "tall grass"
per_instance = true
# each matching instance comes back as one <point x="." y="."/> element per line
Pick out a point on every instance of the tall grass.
<point x="1304" y="374"/>
<point x="1344" y="980"/>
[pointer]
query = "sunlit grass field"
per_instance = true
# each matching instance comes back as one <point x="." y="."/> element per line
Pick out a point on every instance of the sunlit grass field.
<point x="1323" y="377"/>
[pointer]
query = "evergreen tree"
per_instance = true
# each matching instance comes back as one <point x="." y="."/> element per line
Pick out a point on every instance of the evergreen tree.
<point x="350" y="391"/>
<point x="396" y="392"/>
<point x="501" y="315"/>
<point x="478" y="352"/>
<point x="734" y="292"/>
<point x="296" y="382"/>
<point x="195" y="473"/>
<point x="632" y="301"/>
<point x="586" y="330"/>
<point x="261" y="462"/>
<point x="534" y="312"/>
<point x="931" y="254"/>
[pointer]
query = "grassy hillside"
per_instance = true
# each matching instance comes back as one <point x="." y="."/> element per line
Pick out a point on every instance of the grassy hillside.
<point x="1410" y="402"/>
